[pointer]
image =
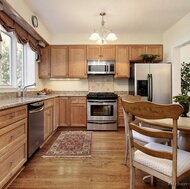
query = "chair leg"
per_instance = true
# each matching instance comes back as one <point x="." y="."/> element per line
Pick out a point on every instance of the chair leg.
<point x="126" y="153"/>
<point x="150" y="179"/>
<point x="132" y="177"/>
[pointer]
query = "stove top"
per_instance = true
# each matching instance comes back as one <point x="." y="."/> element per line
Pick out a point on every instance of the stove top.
<point x="101" y="95"/>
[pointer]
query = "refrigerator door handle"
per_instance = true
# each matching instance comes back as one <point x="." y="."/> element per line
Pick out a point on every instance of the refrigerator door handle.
<point x="150" y="87"/>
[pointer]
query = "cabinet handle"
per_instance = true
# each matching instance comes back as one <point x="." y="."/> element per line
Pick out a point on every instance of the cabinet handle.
<point x="12" y="137"/>
<point x="13" y="115"/>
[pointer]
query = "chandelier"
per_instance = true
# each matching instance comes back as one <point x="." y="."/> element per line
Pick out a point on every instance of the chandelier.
<point x="102" y="35"/>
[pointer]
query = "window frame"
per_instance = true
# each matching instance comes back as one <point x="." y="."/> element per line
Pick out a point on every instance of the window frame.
<point x="13" y="66"/>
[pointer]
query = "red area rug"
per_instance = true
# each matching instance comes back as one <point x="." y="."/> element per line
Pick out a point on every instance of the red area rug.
<point x="71" y="144"/>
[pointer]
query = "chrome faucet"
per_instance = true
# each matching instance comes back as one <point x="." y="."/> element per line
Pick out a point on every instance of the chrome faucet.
<point x="25" y="87"/>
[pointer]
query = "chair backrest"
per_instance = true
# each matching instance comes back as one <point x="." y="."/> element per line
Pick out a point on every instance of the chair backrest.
<point x="130" y="98"/>
<point x="149" y="110"/>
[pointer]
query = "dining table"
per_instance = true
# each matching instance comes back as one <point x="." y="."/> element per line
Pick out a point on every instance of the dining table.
<point x="183" y="129"/>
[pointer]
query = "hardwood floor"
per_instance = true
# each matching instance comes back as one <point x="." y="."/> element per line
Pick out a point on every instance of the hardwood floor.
<point x="104" y="170"/>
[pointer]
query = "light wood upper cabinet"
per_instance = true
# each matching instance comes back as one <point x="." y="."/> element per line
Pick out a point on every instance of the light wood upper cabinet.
<point x="59" y="61"/>
<point x="101" y="52"/>
<point x="77" y="62"/>
<point x="44" y="65"/>
<point x="136" y="50"/>
<point x="122" y="62"/>
<point x="155" y="49"/>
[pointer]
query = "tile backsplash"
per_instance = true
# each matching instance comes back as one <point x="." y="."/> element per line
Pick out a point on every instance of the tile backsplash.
<point x="100" y="83"/>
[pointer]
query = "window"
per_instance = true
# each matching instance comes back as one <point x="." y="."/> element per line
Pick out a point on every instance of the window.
<point x="5" y="61"/>
<point x="17" y="62"/>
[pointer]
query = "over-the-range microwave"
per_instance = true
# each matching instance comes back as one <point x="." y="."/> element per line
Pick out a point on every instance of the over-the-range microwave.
<point x="101" y="67"/>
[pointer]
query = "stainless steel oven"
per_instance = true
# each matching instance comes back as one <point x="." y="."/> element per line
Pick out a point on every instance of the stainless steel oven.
<point x="101" y="111"/>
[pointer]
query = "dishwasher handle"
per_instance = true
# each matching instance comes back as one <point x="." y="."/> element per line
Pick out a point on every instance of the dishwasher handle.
<point x="36" y="110"/>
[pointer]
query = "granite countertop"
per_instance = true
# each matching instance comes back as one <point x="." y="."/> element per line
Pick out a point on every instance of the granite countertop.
<point x="13" y="102"/>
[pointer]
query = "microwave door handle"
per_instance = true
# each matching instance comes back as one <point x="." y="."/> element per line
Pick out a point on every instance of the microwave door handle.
<point x="106" y="68"/>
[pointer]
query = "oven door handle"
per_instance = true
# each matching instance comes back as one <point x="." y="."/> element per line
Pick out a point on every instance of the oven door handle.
<point x="101" y="122"/>
<point x="110" y="101"/>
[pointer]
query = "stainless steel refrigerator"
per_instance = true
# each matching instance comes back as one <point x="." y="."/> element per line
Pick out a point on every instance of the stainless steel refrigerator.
<point x="152" y="81"/>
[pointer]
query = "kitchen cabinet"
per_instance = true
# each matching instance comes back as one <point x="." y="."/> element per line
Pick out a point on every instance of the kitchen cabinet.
<point x="77" y="62"/>
<point x="72" y="111"/>
<point x="59" y="61"/>
<point x="56" y="113"/>
<point x="44" y="65"/>
<point x="136" y="50"/>
<point x="78" y="111"/>
<point x="155" y="49"/>
<point x="101" y="52"/>
<point x="13" y="142"/>
<point x="122" y="62"/>
<point x="120" y="116"/>
<point x="48" y="117"/>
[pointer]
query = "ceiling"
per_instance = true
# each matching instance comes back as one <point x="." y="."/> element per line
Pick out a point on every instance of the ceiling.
<point x="122" y="16"/>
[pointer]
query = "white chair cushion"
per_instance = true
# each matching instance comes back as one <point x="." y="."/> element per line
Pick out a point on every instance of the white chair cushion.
<point x="164" y="165"/>
<point x="147" y="139"/>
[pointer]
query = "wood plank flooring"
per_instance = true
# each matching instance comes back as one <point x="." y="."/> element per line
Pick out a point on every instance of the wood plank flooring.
<point x="104" y="170"/>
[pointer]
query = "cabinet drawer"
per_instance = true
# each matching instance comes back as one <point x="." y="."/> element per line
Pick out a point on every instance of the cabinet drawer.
<point x="11" y="135"/>
<point x="48" y="103"/>
<point x="12" y="115"/>
<point x="11" y="164"/>
<point x="81" y="100"/>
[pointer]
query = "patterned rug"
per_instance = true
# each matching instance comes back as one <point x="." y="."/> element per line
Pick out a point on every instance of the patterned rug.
<point x="71" y="144"/>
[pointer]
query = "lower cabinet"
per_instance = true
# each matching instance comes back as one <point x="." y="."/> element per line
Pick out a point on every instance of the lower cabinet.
<point x="48" y="117"/>
<point x="120" y="116"/>
<point x="56" y="113"/>
<point x="13" y="142"/>
<point x="72" y="111"/>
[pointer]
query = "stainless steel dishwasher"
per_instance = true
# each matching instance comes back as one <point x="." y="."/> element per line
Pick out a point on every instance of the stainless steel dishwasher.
<point x="35" y="126"/>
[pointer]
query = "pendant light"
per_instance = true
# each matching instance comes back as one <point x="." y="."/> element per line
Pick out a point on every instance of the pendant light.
<point x="102" y="35"/>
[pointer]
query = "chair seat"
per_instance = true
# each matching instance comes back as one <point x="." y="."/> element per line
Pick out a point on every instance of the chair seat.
<point x="164" y="165"/>
<point x="146" y="139"/>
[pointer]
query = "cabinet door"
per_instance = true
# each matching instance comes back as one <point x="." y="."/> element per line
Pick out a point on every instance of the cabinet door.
<point x="120" y="115"/>
<point x="135" y="52"/>
<point x="122" y="62"/>
<point x="56" y="113"/>
<point x="44" y="65"/>
<point x="64" y="111"/>
<point x="155" y="49"/>
<point x="59" y="61"/>
<point x="93" y="52"/>
<point x="78" y="111"/>
<point x="101" y="52"/>
<point x="48" y="121"/>
<point x="77" y="62"/>
<point x="108" y="53"/>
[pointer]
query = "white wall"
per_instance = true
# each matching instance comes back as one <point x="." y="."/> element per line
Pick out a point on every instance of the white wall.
<point x="127" y="38"/>
<point x="26" y="14"/>
<point x="185" y="53"/>
<point x="175" y="38"/>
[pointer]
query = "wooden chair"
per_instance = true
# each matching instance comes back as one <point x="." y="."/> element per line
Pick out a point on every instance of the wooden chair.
<point x="164" y="162"/>
<point x="141" y="138"/>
